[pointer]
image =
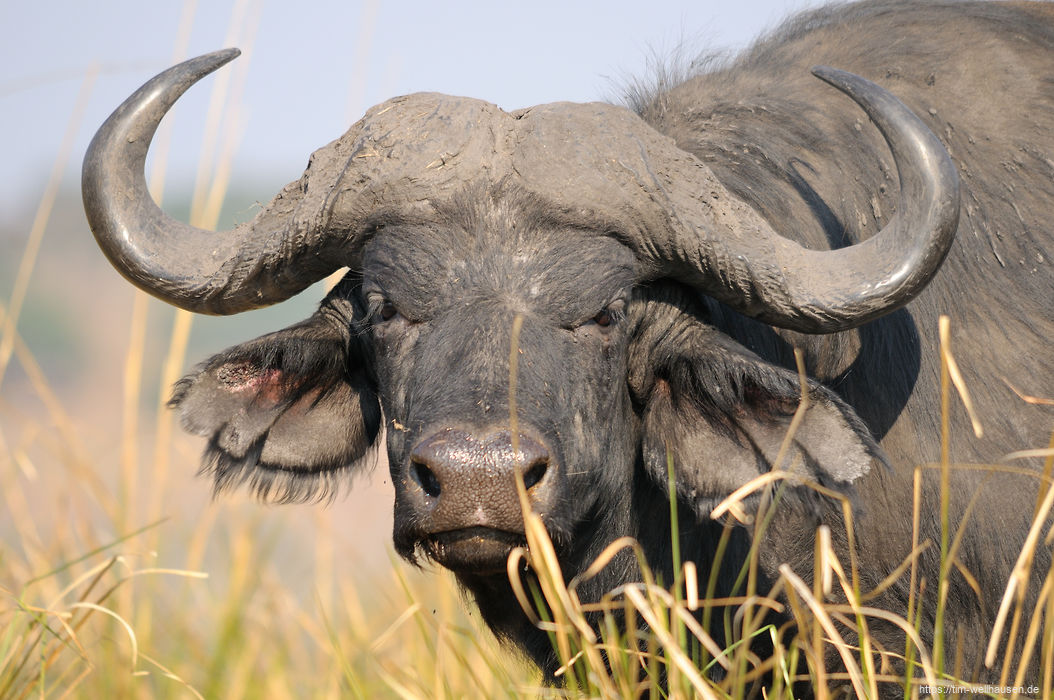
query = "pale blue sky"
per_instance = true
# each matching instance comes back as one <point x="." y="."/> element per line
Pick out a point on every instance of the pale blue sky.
<point x="315" y="67"/>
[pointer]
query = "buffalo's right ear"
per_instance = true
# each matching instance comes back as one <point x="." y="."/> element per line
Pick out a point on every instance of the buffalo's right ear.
<point x="723" y="414"/>
<point x="287" y="413"/>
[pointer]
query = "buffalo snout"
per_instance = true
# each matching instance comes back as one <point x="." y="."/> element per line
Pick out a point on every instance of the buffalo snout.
<point x="463" y="493"/>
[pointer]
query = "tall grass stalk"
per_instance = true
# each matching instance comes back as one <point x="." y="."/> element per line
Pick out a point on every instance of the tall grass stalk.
<point x="212" y="182"/>
<point x="40" y="221"/>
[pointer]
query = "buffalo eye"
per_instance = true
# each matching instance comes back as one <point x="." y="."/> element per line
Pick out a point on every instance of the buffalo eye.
<point x="607" y="317"/>
<point x="604" y="318"/>
<point x="387" y="311"/>
<point x="381" y="309"/>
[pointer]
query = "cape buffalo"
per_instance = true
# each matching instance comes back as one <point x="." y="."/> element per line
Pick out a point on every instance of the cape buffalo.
<point x="655" y="267"/>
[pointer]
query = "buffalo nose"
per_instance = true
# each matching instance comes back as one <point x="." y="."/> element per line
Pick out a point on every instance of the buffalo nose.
<point x="470" y="479"/>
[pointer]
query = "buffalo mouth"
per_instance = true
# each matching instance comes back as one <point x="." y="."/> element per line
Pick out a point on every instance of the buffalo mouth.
<point x="473" y="550"/>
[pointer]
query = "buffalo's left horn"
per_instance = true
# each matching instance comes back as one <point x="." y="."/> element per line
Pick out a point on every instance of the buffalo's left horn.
<point x="276" y="255"/>
<point x="764" y="275"/>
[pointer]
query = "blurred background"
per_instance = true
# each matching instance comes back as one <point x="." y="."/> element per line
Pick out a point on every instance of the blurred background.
<point x="86" y="455"/>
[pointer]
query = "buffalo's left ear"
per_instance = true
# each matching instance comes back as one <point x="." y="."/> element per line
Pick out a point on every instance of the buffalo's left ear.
<point x="286" y="413"/>
<point x="724" y="413"/>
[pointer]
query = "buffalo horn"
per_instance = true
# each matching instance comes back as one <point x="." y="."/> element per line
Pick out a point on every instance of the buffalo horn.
<point x="774" y="279"/>
<point x="257" y="263"/>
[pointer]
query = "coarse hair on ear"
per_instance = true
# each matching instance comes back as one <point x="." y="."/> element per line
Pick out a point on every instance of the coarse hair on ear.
<point x="723" y="414"/>
<point x="287" y="414"/>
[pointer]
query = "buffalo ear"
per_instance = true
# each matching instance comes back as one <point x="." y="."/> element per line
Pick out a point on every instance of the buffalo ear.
<point x="286" y="413"/>
<point x="724" y="414"/>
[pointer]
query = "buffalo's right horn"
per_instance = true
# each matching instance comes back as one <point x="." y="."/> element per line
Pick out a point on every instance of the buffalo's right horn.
<point x="753" y="269"/>
<point x="269" y="259"/>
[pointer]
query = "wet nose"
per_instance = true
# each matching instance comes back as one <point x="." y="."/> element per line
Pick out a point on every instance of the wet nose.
<point x="468" y="480"/>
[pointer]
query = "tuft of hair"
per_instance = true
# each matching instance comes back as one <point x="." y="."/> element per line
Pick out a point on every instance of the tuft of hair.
<point x="284" y="416"/>
<point x="275" y="484"/>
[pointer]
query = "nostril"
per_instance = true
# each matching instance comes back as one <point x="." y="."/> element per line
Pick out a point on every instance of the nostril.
<point x="427" y="479"/>
<point x="533" y="475"/>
